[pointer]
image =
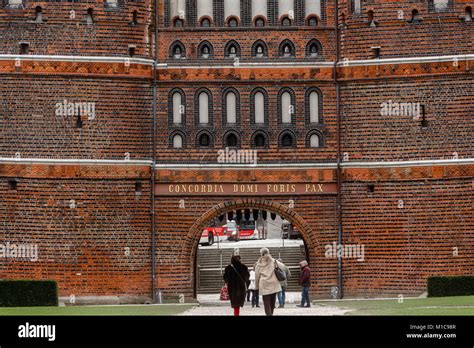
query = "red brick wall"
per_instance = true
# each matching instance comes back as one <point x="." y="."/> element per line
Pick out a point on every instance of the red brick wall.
<point x="29" y="124"/>
<point x="409" y="226"/>
<point x="440" y="33"/>
<point x="82" y="248"/>
<point x="368" y="135"/>
<point x="110" y="35"/>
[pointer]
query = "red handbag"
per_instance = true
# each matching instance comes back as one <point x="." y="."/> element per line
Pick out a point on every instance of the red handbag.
<point x="224" y="294"/>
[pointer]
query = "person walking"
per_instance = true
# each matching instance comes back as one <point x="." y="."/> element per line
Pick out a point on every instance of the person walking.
<point x="305" y="282"/>
<point x="236" y="276"/>
<point x="266" y="281"/>
<point x="284" y="283"/>
<point x="253" y="289"/>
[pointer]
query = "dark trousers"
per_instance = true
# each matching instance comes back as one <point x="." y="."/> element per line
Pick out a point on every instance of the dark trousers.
<point x="269" y="303"/>
<point x="305" y="296"/>
<point x="254" y="298"/>
<point x="248" y="295"/>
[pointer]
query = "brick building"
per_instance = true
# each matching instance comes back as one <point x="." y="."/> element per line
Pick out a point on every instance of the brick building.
<point x="112" y="116"/>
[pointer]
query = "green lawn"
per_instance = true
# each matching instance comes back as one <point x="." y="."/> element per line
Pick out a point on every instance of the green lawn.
<point x="455" y="305"/>
<point x="97" y="310"/>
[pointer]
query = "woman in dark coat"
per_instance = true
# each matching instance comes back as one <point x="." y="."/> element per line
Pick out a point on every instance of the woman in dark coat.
<point x="237" y="276"/>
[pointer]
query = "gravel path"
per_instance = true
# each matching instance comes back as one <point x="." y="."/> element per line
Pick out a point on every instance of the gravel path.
<point x="289" y="310"/>
<point x="210" y="305"/>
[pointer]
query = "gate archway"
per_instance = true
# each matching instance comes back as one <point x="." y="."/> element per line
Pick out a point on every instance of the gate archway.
<point x="194" y="233"/>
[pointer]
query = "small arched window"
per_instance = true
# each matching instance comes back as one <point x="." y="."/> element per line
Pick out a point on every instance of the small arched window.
<point x="286" y="107"/>
<point x="259" y="22"/>
<point x="260" y="140"/>
<point x="177" y="108"/>
<point x="231" y="140"/>
<point x="232" y="51"/>
<point x="233" y="22"/>
<point x="313" y="49"/>
<point x="259" y="100"/>
<point x="313" y="104"/>
<point x="231" y="108"/>
<point x="468" y="14"/>
<point x="313" y="21"/>
<point x="134" y="17"/>
<point x="314" y="141"/>
<point x="371" y="19"/>
<point x="38" y="14"/>
<point x="286" y="22"/>
<point x="287" y="140"/>
<point x="205" y="51"/>
<point x="178" y="23"/>
<point x="177" y="50"/>
<point x="90" y="16"/>
<point x="415" y="16"/>
<point x="204" y="140"/>
<point x="203" y="101"/>
<point x="177" y="141"/>
<point x="287" y="49"/>
<point x="259" y="49"/>
<point x="205" y="23"/>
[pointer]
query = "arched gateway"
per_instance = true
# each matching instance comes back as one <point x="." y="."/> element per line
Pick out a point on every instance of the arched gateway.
<point x="188" y="204"/>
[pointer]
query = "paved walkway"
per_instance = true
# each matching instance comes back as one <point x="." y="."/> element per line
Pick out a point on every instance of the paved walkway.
<point x="210" y="305"/>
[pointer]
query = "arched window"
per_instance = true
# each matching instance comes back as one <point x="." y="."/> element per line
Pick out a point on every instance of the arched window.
<point x="371" y="19"/>
<point x="90" y="16"/>
<point x="313" y="21"/>
<point x="233" y="22"/>
<point x="287" y="140"/>
<point x="177" y="50"/>
<point x="415" y="16"/>
<point x="205" y="23"/>
<point x="286" y="22"/>
<point x="203" y="101"/>
<point x="231" y="140"/>
<point x="38" y="14"/>
<point x="313" y="49"/>
<point x="314" y="140"/>
<point x="260" y="140"/>
<point x="178" y="108"/>
<point x="259" y="22"/>
<point x="204" y="9"/>
<point x="231" y="108"/>
<point x="204" y="140"/>
<point x="259" y="49"/>
<point x="287" y="109"/>
<point x="205" y="50"/>
<point x="468" y="14"/>
<point x="259" y="101"/>
<point x="314" y="107"/>
<point x="287" y="49"/>
<point x="178" y="23"/>
<point x="177" y="141"/>
<point x="259" y="9"/>
<point x="134" y="18"/>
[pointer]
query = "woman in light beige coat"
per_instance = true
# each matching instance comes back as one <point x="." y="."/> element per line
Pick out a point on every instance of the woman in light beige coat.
<point x="266" y="281"/>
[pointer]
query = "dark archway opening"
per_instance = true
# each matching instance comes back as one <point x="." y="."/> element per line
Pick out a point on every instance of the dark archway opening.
<point x="247" y="229"/>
